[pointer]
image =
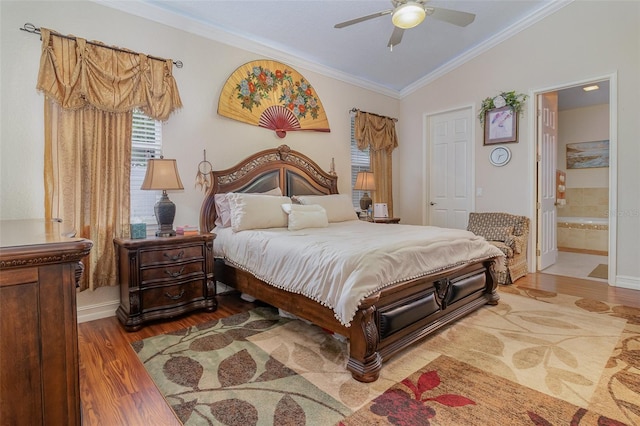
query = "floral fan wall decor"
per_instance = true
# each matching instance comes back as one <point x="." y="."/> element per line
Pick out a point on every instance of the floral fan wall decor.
<point x="272" y="95"/>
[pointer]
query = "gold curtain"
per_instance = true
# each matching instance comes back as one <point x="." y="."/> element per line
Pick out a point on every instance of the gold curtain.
<point x="77" y="74"/>
<point x="379" y="134"/>
<point x="90" y="93"/>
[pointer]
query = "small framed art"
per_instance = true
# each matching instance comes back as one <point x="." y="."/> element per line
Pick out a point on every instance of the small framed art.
<point x="500" y="126"/>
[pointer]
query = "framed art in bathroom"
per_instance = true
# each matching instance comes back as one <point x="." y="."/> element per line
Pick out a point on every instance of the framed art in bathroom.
<point x="586" y="155"/>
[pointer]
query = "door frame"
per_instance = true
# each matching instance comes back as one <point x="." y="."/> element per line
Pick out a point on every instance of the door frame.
<point x="426" y="157"/>
<point x="613" y="165"/>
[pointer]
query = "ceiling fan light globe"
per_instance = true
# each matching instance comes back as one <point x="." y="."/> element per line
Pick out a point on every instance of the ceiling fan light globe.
<point x="408" y="15"/>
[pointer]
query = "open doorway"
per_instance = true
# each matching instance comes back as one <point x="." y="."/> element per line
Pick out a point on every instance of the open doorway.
<point x="576" y="180"/>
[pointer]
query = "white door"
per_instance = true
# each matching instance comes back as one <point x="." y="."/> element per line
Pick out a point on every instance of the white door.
<point x="450" y="172"/>
<point x="547" y="164"/>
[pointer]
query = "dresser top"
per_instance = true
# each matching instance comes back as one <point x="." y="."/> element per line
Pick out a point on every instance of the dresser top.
<point x="38" y="241"/>
<point x="25" y="232"/>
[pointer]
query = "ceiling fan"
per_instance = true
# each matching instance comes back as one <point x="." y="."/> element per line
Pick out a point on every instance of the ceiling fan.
<point x="409" y="13"/>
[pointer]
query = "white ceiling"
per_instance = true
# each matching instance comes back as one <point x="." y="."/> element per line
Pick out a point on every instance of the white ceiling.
<point x="304" y="30"/>
<point x="576" y="97"/>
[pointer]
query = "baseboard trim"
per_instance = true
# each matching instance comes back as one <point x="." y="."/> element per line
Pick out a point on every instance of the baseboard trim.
<point x="108" y="309"/>
<point x="98" y="311"/>
<point x="584" y="251"/>
<point x="631" y="283"/>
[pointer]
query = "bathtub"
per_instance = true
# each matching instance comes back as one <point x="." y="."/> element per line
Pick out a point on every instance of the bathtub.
<point x="585" y="221"/>
<point x="583" y="234"/>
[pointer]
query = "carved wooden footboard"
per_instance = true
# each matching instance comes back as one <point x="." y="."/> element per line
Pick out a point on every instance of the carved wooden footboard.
<point x="388" y="321"/>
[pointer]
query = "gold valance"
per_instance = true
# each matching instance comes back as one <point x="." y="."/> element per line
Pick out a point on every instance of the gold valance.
<point x="76" y="74"/>
<point x="375" y="131"/>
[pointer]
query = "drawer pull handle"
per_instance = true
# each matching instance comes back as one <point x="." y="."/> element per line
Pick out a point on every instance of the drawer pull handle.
<point x="176" y="297"/>
<point x="174" y="274"/>
<point x="176" y="257"/>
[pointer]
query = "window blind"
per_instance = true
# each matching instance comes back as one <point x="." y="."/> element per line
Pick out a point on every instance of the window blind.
<point x="146" y="143"/>
<point x="360" y="161"/>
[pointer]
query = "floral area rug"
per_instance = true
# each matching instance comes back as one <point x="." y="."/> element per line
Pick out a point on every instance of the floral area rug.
<point x="536" y="358"/>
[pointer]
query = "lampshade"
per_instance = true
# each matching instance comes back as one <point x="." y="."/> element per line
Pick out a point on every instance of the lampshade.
<point x="364" y="182"/>
<point x="408" y="15"/>
<point x="162" y="174"/>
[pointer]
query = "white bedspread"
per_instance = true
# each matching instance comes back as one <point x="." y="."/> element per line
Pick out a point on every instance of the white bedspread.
<point x="340" y="265"/>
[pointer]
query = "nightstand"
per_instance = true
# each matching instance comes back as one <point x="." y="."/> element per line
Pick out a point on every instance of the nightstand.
<point x="162" y="277"/>
<point x="386" y="220"/>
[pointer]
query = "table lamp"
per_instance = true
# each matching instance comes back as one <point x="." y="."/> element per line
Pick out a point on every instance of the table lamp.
<point x="163" y="174"/>
<point x="364" y="182"/>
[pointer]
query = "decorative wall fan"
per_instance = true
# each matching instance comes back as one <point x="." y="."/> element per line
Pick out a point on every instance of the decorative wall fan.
<point x="409" y="13"/>
<point x="272" y="95"/>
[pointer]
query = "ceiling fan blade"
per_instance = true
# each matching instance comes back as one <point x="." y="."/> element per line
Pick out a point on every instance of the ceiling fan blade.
<point x="362" y="19"/>
<point x="396" y="37"/>
<point x="455" y="17"/>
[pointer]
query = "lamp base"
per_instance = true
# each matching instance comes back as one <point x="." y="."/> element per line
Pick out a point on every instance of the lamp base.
<point x="365" y="201"/>
<point x="165" y="211"/>
<point x="169" y="233"/>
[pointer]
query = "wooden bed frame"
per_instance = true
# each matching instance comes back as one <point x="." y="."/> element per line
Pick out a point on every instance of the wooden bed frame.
<point x="386" y="322"/>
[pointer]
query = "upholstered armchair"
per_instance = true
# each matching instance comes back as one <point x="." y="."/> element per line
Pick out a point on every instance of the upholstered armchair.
<point x="510" y="234"/>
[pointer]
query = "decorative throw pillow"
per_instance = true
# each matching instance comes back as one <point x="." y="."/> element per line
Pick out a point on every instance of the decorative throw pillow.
<point x="223" y="209"/>
<point x="305" y="216"/>
<point x="338" y="206"/>
<point x="257" y="211"/>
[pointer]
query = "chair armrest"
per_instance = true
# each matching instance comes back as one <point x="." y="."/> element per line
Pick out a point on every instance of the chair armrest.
<point x="518" y="243"/>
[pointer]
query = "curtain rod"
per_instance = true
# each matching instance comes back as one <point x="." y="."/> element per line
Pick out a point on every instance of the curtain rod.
<point x="32" y="29"/>
<point x="372" y="113"/>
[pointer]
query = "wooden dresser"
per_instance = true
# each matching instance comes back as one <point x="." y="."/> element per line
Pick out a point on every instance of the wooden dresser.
<point x="39" y="371"/>
<point x="161" y="277"/>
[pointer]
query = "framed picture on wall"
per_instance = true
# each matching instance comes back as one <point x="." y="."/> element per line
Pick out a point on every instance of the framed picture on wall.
<point x="500" y="126"/>
<point x="585" y="155"/>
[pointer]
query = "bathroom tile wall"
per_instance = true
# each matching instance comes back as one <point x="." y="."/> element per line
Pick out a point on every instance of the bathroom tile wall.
<point x="585" y="202"/>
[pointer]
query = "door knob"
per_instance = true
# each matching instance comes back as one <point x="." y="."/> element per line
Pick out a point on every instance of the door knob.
<point x="432" y="203"/>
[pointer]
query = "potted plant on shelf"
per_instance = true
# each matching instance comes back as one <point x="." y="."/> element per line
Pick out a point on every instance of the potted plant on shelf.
<point x="511" y="99"/>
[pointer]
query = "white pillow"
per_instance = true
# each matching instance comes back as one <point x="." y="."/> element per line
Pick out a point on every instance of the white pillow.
<point x="338" y="206"/>
<point x="301" y="217"/>
<point x="257" y="211"/>
<point x="299" y="207"/>
<point x="223" y="217"/>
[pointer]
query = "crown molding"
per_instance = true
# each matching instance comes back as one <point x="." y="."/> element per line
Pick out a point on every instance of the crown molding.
<point x="503" y="35"/>
<point x="154" y="13"/>
<point x="260" y="47"/>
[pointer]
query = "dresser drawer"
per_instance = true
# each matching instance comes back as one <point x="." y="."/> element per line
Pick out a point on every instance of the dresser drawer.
<point x="171" y="254"/>
<point x="171" y="272"/>
<point x="171" y="295"/>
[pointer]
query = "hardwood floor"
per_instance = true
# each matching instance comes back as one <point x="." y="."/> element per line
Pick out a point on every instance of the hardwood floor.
<point x="116" y="390"/>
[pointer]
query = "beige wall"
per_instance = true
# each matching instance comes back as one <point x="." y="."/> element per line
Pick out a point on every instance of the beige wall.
<point x="207" y="65"/>
<point x="583" y="125"/>
<point x="584" y="40"/>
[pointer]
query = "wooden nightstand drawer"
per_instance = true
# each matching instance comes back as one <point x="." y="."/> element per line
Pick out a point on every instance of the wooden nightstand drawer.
<point x="163" y="297"/>
<point x="164" y="277"/>
<point x="171" y="255"/>
<point x="171" y="272"/>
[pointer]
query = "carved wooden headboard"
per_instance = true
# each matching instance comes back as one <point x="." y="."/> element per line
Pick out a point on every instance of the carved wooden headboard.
<point x="293" y="172"/>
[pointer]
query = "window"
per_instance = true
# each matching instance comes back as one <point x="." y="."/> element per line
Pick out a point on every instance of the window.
<point x="146" y="143"/>
<point x="360" y="161"/>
